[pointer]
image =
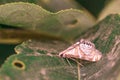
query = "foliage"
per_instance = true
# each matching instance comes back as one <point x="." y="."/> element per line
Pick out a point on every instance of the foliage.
<point x="47" y="34"/>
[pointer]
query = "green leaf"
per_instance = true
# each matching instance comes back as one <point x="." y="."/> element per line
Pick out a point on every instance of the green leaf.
<point x="38" y="47"/>
<point x="32" y="67"/>
<point x="37" y="55"/>
<point x="65" y="24"/>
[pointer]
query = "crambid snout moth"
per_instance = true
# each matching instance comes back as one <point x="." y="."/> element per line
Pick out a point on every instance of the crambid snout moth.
<point x="84" y="50"/>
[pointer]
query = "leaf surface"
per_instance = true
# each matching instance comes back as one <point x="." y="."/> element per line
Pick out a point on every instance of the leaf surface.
<point x="65" y="24"/>
<point x="39" y="55"/>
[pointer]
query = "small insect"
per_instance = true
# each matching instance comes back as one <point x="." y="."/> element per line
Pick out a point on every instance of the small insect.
<point x="84" y="50"/>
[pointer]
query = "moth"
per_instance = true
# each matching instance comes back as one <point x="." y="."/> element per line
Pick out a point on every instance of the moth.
<point x="84" y="50"/>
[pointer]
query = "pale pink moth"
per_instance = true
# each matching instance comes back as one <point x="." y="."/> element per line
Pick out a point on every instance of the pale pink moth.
<point x="84" y="50"/>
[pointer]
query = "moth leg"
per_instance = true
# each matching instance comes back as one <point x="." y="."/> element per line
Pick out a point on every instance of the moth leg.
<point x="76" y="61"/>
<point x="69" y="63"/>
<point x="78" y="69"/>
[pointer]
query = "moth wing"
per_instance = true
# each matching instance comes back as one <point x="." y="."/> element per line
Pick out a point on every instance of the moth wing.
<point x="86" y="49"/>
<point x="70" y="50"/>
